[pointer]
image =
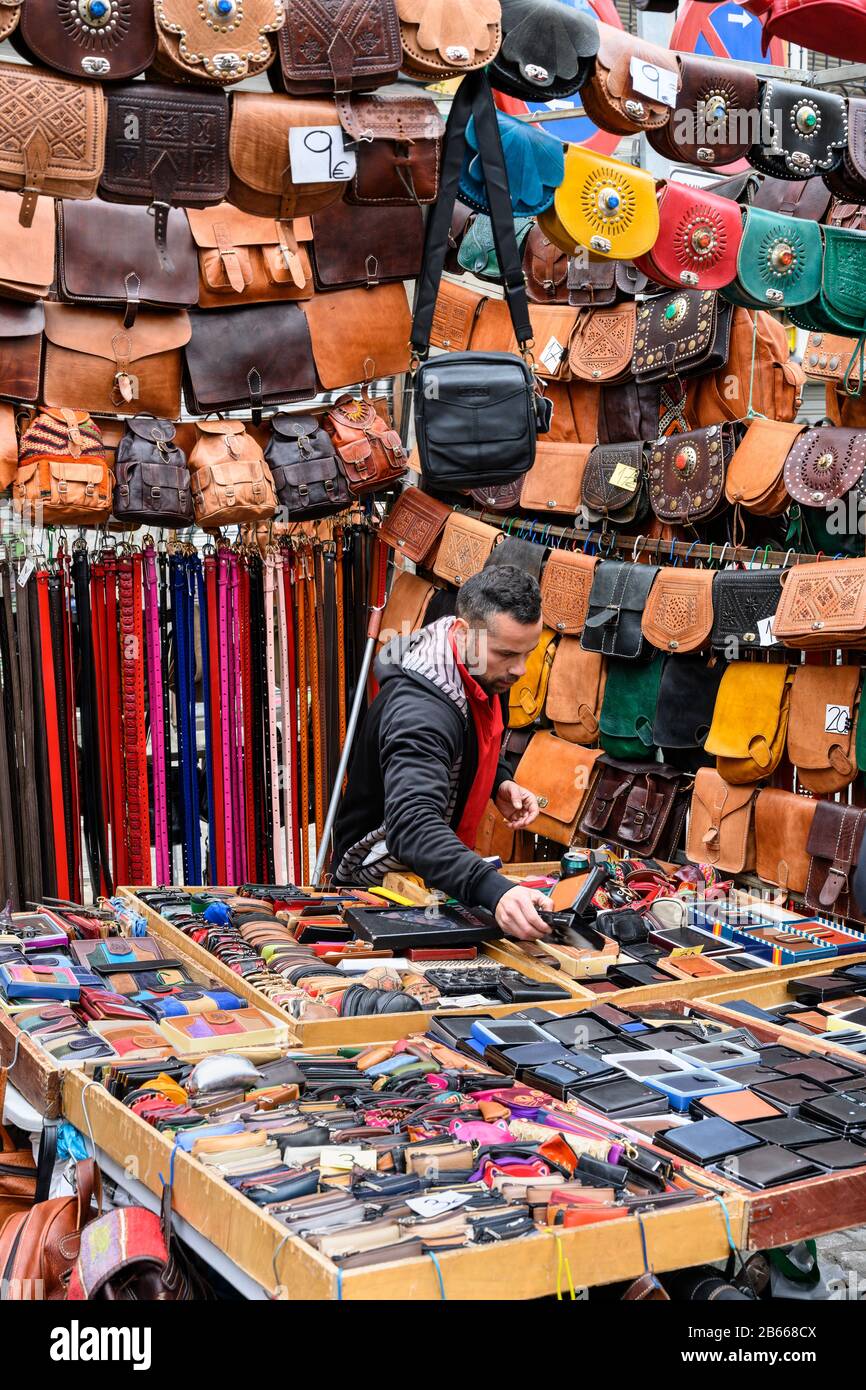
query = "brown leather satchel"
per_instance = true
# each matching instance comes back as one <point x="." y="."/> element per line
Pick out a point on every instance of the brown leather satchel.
<point x="197" y="43"/>
<point x="755" y="476"/>
<point x="91" y="358"/>
<point x="807" y="198"/>
<point x="641" y="806"/>
<point x="545" y="267"/>
<point x="19" y="1181"/>
<point x="758" y="373"/>
<point x="108" y="43"/>
<point x="823" y="605"/>
<point x="260" y="163"/>
<point x="554" y="482"/>
<point x="414" y="524"/>
<point x="821" y="726"/>
<point x="244" y="259"/>
<point x="464" y="548"/>
<point x="602" y="343"/>
<point x="609" y="97"/>
<point x="782" y="824"/>
<point x="405" y="608"/>
<point x="337" y="46"/>
<point x="560" y="774"/>
<point x="366" y="246"/>
<point x="455" y="317"/>
<point x="359" y="335"/>
<point x="721" y="824"/>
<point x="398" y="149"/>
<point x="576" y="691"/>
<point x="498" y="497"/>
<point x="709" y="124"/>
<point x="52" y="136"/>
<point x="614" y="483"/>
<point x="834" y="844"/>
<point x="368" y="448"/>
<point x="445" y="38"/>
<point x="678" y="616"/>
<point x="231" y="482"/>
<point x="26" y="262"/>
<point x="21" y="327"/>
<point x="687" y="473"/>
<point x="39" y="1247"/>
<point x="565" y="585"/>
<point x="830" y="358"/>
<point x="495" y="837"/>
<point x="681" y="334"/>
<point x="63" y="470"/>
<point x="591" y="284"/>
<point x="107" y="255"/>
<point x="248" y="358"/>
<point x="824" y="464"/>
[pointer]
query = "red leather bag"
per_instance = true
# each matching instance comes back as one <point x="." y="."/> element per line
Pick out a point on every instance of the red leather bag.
<point x="699" y="237"/>
<point x="837" y="27"/>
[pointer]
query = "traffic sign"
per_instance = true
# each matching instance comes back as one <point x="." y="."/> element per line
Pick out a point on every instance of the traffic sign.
<point x="724" y="30"/>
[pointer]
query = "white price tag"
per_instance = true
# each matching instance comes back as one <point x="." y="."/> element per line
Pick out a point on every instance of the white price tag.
<point x="657" y="83"/>
<point x="625" y="476"/>
<point x="334" y="1159"/>
<point x="765" y="632"/>
<point x="552" y="355"/>
<point x="837" y="719"/>
<point x="317" y="155"/>
<point x="436" y="1203"/>
<point x="26" y="570"/>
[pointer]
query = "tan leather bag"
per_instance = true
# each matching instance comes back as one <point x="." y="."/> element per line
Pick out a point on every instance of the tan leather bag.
<point x="823" y="605"/>
<point x="194" y="43"/>
<point x="63" y="475"/>
<point x="445" y="38"/>
<point x="90" y="358"/>
<point x="565" y="585"/>
<point x="527" y="696"/>
<point x="678" y="616"/>
<point x="26" y="261"/>
<point x="359" y="335"/>
<point x="560" y="774"/>
<point x="231" y="482"/>
<point x="755" y="476"/>
<point x="52" y="136"/>
<point x="553" y="482"/>
<point x="576" y="691"/>
<point x="260" y="179"/>
<point x="464" y="548"/>
<point x="244" y="259"/>
<point x="775" y="389"/>
<point x="602" y="343"/>
<point x="495" y="836"/>
<point x="721" y="828"/>
<point x="406" y="606"/>
<point x="609" y="97"/>
<point x="414" y="524"/>
<point x="455" y="316"/>
<point x="8" y="447"/>
<point x="39" y="1247"/>
<point x="821" y="726"/>
<point x="782" y="824"/>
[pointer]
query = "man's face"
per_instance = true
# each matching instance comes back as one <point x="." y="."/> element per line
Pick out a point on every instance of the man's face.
<point x="496" y="655"/>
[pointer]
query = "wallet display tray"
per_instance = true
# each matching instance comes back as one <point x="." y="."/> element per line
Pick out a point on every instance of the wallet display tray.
<point x="768" y="994"/>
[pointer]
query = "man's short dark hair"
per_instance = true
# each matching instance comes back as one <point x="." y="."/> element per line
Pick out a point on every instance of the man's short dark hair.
<point x="499" y="589"/>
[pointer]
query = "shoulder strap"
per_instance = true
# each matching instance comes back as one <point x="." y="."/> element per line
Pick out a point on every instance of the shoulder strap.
<point x="473" y="98"/>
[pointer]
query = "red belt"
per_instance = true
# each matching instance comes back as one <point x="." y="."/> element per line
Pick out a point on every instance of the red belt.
<point x="114" y="751"/>
<point x="218" y="849"/>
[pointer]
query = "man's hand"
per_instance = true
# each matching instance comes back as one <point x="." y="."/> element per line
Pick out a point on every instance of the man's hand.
<point x="517" y="916"/>
<point x="518" y="806"/>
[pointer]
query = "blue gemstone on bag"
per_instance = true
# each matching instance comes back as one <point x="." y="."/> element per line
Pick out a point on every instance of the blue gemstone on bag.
<point x="97" y="9"/>
<point x="225" y="6"/>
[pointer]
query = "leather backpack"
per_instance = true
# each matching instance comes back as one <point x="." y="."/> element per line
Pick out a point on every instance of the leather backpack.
<point x="823" y="605"/>
<point x="629" y="708"/>
<point x="698" y="240"/>
<point x="782" y="824"/>
<point x="244" y="259"/>
<point x="260" y="178"/>
<point x="575" y="692"/>
<point x="110" y="43"/>
<point x="63" y="469"/>
<point x="605" y="205"/>
<point x="23" y="1182"/>
<point x="638" y="805"/>
<point x="368" y="448"/>
<point x="609" y="97"/>
<point x="231" y="482"/>
<point x="807" y="130"/>
<point x="446" y="38"/>
<point x="687" y="473"/>
<point x="41" y="150"/>
<point x="758" y="373"/>
<point x="304" y="468"/>
<point x="197" y="44"/>
<point x="678" y="616"/>
<point x="398" y="155"/>
<point x="107" y="255"/>
<point x="248" y="358"/>
<point x="39" y="1247"/>
<point x="337" y="46"/>
<point x="750" y="721"/>
<point x="616" y="602"/>
<point x="152" y="484"/>
<point x="547" y="50"/>
<point x="721" y="824"/>
<point x="821" y="726"/>
<point x="713" y="105"/>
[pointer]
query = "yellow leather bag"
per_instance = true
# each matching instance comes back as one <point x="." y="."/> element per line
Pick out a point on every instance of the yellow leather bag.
<point x="527" y="695"/>
<point x="605" y="205"/>
<point x="750" y="721"/>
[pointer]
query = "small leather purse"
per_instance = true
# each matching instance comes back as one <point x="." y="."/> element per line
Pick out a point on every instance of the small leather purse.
<point x="628" y="710"/>
<point x="109" y="43"/>
<point x="63" y="476"/>
<point x="244" y="259"/>
<point x="464" y="548"/>
<point x="231" y="482"/>
<point x="575" y="692"/>
<point x="456" y="316"/>
<point x="750" y="721"/>
<point x="91" y="357"/>
<point x="107" y="255"/>
<point x="782" y="824"/>
<point x="52" y="136"/>
<point x="414" y="524"/>
<point x="698" y="240"/>
<point x="368" y="448"/>
<point x="687" y="473"/>
<point x="398" y="150"/>
<point x="683" y="334"/>
<point x="610" y="98"/>
<point x="614" y="486"/>
<point x="824" y="464"/>
<point x="248" y="358"/>
<point x="192" y="45"/>
<point x="366" y="245"/>
<point x="834" y="846"/>
<point x="755" y="477"/>
<point x="528" y="693"/>
<point x="807" y="127"/>
<point x="560" y="774"/>
<point x="260" y="179"/>
<point x="617" y="599"/>
<point x="21" y="334"/>
<point x="545" y="267"/>
<point x="303" y="465"/>
<point x="547" y="50"/>
<point x="638" y="805"/>
<point x="446" y="38"/>
<point x="821" y="726"/>
<point x="591" y="284"/>
<point x="823" y="605"/>
<point x="337" y="46"/>
<point x="605" y="205"/>
<point x="778" y="262"/>
<point x="713" y="107"/>
<point x="534" y="165"/>
<point x="678" y="615"/>
<point x="555" y="480"/>
<point x="478" y="248"/>
<point x="499" y="497"/>
<point x="405" y="607"/>
<point x="721" y="824"/>
<point x="745" y="602"/>
<point x="566" y="582"/>
<point x="602" y="343"/>
<point x="152" y="486"/>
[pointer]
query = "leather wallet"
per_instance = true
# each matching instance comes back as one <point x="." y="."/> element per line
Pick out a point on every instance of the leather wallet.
<point x="708" y="1141"/>
<point x="770" y="1166"/>
<point x="738" y="1107"/>
<point x="789" y="1131"/>
<point x="836" y="1154"/>
<point x="844" y="1114"/>
<point x="624" y="1097"/>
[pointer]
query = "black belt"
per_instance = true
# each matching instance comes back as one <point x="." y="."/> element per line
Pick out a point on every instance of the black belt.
<point x="43" y="775"/>
<point x="29" y="804"/>
<point x="91" y="776"/>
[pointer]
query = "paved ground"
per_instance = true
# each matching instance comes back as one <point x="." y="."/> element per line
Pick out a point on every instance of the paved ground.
<point x="848" y="1249"/>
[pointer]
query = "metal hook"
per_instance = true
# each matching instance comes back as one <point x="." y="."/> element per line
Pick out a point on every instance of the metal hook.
<point x="637" y="548"/>
<point x="688" y="553"/>
<point x="725" y="548"/>
<point x="587" y="543"/>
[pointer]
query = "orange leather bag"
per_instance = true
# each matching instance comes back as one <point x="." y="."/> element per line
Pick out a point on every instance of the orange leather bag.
<point x="774" y="391"/>
<point x="244" y="259"/>
<point x="231" y="482"/>
<point x="63" y="470"/>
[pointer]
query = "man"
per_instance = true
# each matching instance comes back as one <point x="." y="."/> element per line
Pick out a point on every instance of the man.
<point x="427" y="759"/>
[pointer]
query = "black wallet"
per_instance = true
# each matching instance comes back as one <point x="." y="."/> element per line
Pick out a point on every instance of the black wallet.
<point x="771" y="1166"/>
<point x="791" y="1092"/>
<point x="406" y="927"/>
<point x="708" y="1141"/>
<point x="844" y="1114"/>
<point x="836" y="1154"/>
<point x="579" y="1029"/>
<point x="789" y="1131"/>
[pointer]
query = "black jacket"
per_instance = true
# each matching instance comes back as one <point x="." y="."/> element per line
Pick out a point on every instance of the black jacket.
<point x="414" y="761"/>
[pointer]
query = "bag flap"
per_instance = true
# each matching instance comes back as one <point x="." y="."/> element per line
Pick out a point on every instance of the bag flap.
<point x="100" y="332"/>
<point x="165" y="475"/>
<point x="602" y="342"/>
<point x="622" y="585"/>
<point x="454" y="318"/>
<point x="742" y="600"/>
<point x="828" y="595"/>
<point x="20" y="320"/>
<point x="674" y="330"/>
<point x="699" y="234"/>
<point x="819" y="733"/>
<point x="558" y="772"/>
<point x="844" y="274"/>
<point x="576" y="685"/>
<point x="527" y="693"/>
<point x="718" y="799"/>
<point x="406" y="604"/>
<point x="824" y="464"/>
<point x="750" y="705"/>
<point x="359" y="334"/>
<point x="780" y="258"/>
<point x="534" y="162"/>
<point x="590" y="277"/>
<point x="466" y="544"/>
<point x="401" y="118"/>
<point x="622" y="226"/>
<point x="759" y="460"/>
<point x="229" y="225"/>
<point x="713" y="95"/>
<point x="295" y="427"/>
<point x="565" y="589"/>
<point x="630" y="698"/>
<point x="613" y="476"/>
<point x="149" y="428"/>
<point x="808" y="127"/>
<point x="221" y="426"/>
<point x="259" y="135"/>
<point x="687" y="472"/>
<point x="230" y="472"/>
<point x="678" y="616"/>
<point x="308" y="470"/>
<point x="77" y="472"/>
<point x="355" y="450"/>
<point x="66" y="116"/>
<point x="414" y="522"/>
<point x="471" y="28"/>
<point x="26" y="257"/>
<point x="834" y="837"/>
<point x="554" y="482"/>
<point x="615" y="52"/>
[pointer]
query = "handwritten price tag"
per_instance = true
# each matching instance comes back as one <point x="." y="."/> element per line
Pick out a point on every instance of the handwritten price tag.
<point x="625" y="476"/>
<point x="837" y="719"/>
<point x="657" y="83"/>
<point x="317" y="155"/>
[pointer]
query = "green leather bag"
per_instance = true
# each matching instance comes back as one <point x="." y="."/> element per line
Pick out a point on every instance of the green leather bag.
<point x="477" y="249"/>
<point x="778" y="263"/>
<point x="840" y="304"/>
<point x="628" y="710"/>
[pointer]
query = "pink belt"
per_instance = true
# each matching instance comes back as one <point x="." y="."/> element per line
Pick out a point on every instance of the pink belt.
<point x="238" y="742"/>
<point x="227" y="709"/>
<point x="157" y="728"/>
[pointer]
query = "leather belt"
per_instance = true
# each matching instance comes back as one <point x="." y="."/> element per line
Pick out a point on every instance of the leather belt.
<point x="67" y="875"/>
<point x="271" y="580"/>
<point x="94" y="821"/>
<point x="246" y="714"/>
<point x="172" y="784"/>
<point x="238" y="787"/>
<point x="303" y="715"/>
<point x="155" y="677"/>
<point x="45" y="808"/>
<point x="29" y="804"/>
<point x="290" y="743"/>
<point x="313" y="628"/>
<point x="8" y="780"/>
<point x="219" y="873"/>
<point x="114" y="750"/>
<point x="204" y="628"/>
<point x="226" y="713"/>
<point x="134" y="732"/>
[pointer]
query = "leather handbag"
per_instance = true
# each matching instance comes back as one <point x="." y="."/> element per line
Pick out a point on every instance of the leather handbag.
<point x="476" y="414"/>
<point x="778" y="262"/>
<point x="231" y="482"/>
<point x="534" y="167"/>
<point x="616" y="601"/>
<point x="565" y="587"/>
<point x="502" y="497"/>
<point x="368" y="448"/>
<point x="576" y="692"/>
<point x="63" y="474"/>
<point x="398" y="151"/>
<point x="806" y="198"/>
<point x="840" y="305"/>
<point x="303" y="464"/>
<point x="107" y="255"/>
<point x="249" y="260"/>
<point x="721" y="824"/>
<point x="91" y="358"/>
<point x="824" y="464"/>
<point x="109" y="43"/>
<point x="782" y="824"/>
<point x="683" y="334"/>
<point x="610" y="98"/>
<point x="698" y="240"/>
<point x="614" y="488"/>
<point x="834" y="845"/>
<point x="605" y="205"/>
<point x="758" y="374"/>
<point x="679" y="611"/>
<point x="193" y="43"/>
<point x="359" y="334"/>
<point x="591" y="283"/>
<point x="828" y="26"/>
<point x="750" y="721"/>
<point x="337" y="46"/>
<point x="248" y="358"/>
<point x="446" y="38"/>
<point x="545" y="268"/>
<point x="52" y="136"/>
<point x="823" y="605"/>
<point x="552" y="326"/>
<point x="554" y="482"/>
<point x="10" y="14"/>
<point x="414" y="524"/>
<point x="640" y="806"/>
<point x="560" y="774"/>
<point x="755" y="477"/>
<point x="807" y="129"/>
<point x="152" y="482"/>
<point x="465" y="547"/>
<point x="830" y="357"/>
<point x="405" y="607"/>
<point x="366" y="245"/>
<point x="547" y="50"/>
<point x="39" y="1247"/>
<point x="848" y="181"/>
<point x="687" y="473"/>
<point x="684" y="713"/>
<point x="528" y="693"/>
<point x="260" y="165"/>
<point x="602" y="344"/>
<point x="745" y="603"/>
<point x="21" y="329"/>
<point x="26" y="262"/>
<point x="708" y="124"/>
<point x="628" y="711"/>
<point x="478" y="250"/>
<point x="821" y="726"/>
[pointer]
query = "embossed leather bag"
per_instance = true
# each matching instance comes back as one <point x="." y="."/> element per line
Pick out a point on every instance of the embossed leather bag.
<point x="52" y="136"/>
<point x="683" y="334"/>
<point x="501" y="497"/>
<point x="560" y="774"/>
<point x="821" y="726"/>
<point x="628" y="711"/>
<point x="616" y="601"/>
<point x="456" y="316"/>
<point x="565" y="587"/>
<point x="687" y="473"/>
<point x="824" y="464"/>
<point x="21" y="327"/>
<point x="249" y="260"/>
<point x="231" y="482"/>
<point x="840" y="305"/>
<point x="62" y="469"/>
<point x="750" y="721"/>
<point x="711" y="117"/>
<point x="779" y="261"/>
<point x="26" y="262"/>
<point x="445" y="38"/>
<point x="834" y="845"/>
<point x="260" y="163"/>
<point x="755" y="476"/>
<point x="464" y="548"/>
<point x="478" y="249"/>
<point x="554" y="483"/>
<point x="152" y="486"/>
<point x="679" y="612"/>
<point x="602" y="343"/>
<point x="807" y="130"/>
<point x="107" y="255"/>
<point x="699" y="237"/>
<point x="610" y="98"/>
<point x="829" y="357"/>
<point x="248" y="358"/>
<point x="109" y="41"/>
<point x="338" y="46"/>
<point x="576" y="691"/>
<point x="823" y="605"/>
<point x="614" y="484"/>
<point x="744" y="601"/>
<point x="91" y="358"/>
<point x="782" y="824"/>
<point x="199" y="43"/>
<point x="641" y="806"/>
<point x="546" y="269"/>
<point x="414" y="524"/>
<point x="10" y="14"/>
<point x="547" y="50"/>
<point x="398" y="150"/>
<point x="366" y="245"/>
<point x="303" y="464"/>
<point x="605" y="205"/>
<point x="721" y="824"/>
<point x="368" y="448"/>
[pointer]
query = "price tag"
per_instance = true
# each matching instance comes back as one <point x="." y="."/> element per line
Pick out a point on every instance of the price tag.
<point x="658" y="83"/>
<point x="317" y="155"/>
<point x="625" y="476"/>
<point x="337" y="1159"/>
<point x="765" y="632"/>
<point x="436" y="1203"/>
<point x="679" y="951"/>
<point x="27" y="569"/>
<point x="552" y="355"/>
<point x="837" y="718"/>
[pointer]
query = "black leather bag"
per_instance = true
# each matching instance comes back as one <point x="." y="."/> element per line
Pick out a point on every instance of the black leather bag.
<point x="152" y="486"/>
<point x="476" y="413"/>
<point x="547" y="50"/>
<point x="804" y="131"/>
<point x="304" y="465"/>
<point x="742" y="601"/>
<point x="616" y="602"/>
<point x="684" y="712"/>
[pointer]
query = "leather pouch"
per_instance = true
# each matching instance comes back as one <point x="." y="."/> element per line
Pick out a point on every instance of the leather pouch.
<point x="614" y="484"/>
<point x="605" y="205"/>
<point x="805" y="198"/>
<point x="610" y="99"/>
<point x="116" y="42"/>
<point x="782" y="824"/>
<point x="565" y="587"/>
<point x="829" y="357"/>
<point x="90" y="357"/>
<point x="52" y="136"/>
<point x="821" y="726"/>
<point x="368" y="447"/>
<point x="547" y="50"/>
<point x="193" y="46"/>
<point x="628" y="712"/>
<point x="721" y="829"/>
<point x="406" y="606"/>
<point x="755" y="476"/>
<point x="684" y="712"/>
<point x="248" y="358"/>
<point x="616" y="601"/>
<point x="750" y="721"/>
<point x="744" y="600"/>
<point x="678" y="615"/>
<point x="477" y="251"/>
<point x="528" y="693"/>
<point x="640" y="806"/>
<point x="359" y="335"/>
<point x="21" y="328"/>
<point x="778" y="263"/>
<point x="338" y="46"/>
<point x="231" y="482"/>
<point x="107" y="255"/>
<point x="699" y="237"/>
<point x="823" y="605"/>
<point x="304" y="468"/>
<point x="152" y="479"/>
<point x="414" y="524"/>
<point x="824" y="464"/>
<point x="840" y="305"/>
<point x="591" y="283"/>
<point x="714" y="104"/>
<point x="448" y="38"/>
<point x="602" y="344"/>
<point x="834" y="844"/>
<point x="26" y="262"/>
<point x="681" y="335"/>
<point x="575" y="692"/>
<point x="464" y="548"/>
<point x="546" y="269"/>
<point x="687" y="473"/>
<point x="498" y="497"/>
<point x="455" y="317"/>
<point x="534" y="163"/>
<point x="260" y="178"/>
<point x="63" y="470"/>
<point x="366" y="245"/>
<point x="808" y="130"/>
<point x="559" y="773"/>
<point x="398" y="151"/>
<point x="244" y="259"/>
<point x="554" y="483"/>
